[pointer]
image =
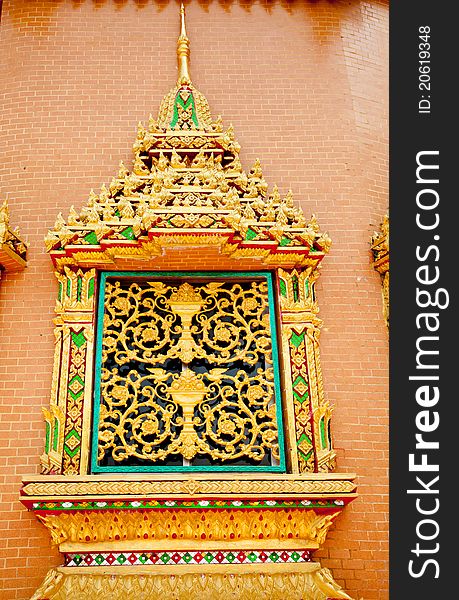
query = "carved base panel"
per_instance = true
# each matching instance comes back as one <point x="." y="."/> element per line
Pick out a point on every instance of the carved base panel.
<point x="179" y="529"/>
<point x="244" y="536"/>
<point x="226" y="582"/>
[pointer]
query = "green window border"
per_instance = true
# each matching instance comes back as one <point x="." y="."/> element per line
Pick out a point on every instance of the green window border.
<point x="268" y="275"/>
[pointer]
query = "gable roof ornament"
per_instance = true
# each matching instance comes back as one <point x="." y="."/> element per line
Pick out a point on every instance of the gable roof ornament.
<point x="187" y="185"/>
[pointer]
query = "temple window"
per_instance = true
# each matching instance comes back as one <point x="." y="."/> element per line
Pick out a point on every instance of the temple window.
<point x="187" y="416"/>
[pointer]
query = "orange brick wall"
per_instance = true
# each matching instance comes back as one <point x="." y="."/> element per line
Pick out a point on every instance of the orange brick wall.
<point x="305" y="85"/>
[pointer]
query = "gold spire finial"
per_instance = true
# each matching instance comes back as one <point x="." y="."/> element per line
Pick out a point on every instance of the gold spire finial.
<point x="183" y="51"/>
<point x="182" y="20"/>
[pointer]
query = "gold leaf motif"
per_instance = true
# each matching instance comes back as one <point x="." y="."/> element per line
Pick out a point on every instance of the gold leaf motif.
<point x="311" y="582"/>
<point x="302" y="525"/>
<point x="217" y="401"/>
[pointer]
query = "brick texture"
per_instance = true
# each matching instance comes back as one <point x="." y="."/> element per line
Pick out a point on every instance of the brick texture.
<point x="305" y="85"/>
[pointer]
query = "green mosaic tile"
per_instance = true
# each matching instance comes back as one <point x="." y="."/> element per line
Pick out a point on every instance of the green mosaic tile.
<point x="283" y="288"/>
<point x="76" y="387"/>
<point x="78" y="338"/>
<point x="79" y="288"/>
<point x="250" y="234"/>
<point x="91" y="288"/>
<point x="185" y="104"/>
<point x="72" y="443"/>
<point x="296" y="293"/>
<point x="91" y="238"/>
<point x="128" y="233"/>
<point x="296" y="339"/>
<point x="56" y="435"/>
<point x="322" y="433"/>
<point x="285" y="241"/>
<point x="72" y="433"/>
<point x="300" y="389"/>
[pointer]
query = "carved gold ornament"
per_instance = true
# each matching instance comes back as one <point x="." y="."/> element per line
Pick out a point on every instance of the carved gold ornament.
<point x="380" y="249"/>
<point x="291" y="582"/>
<point x="187" y="369"/>
<point x="187" y="178"/>
<point x="297" y="527"/>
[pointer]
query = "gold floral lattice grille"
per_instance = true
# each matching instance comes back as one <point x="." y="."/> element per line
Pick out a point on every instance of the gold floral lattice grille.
<point x="187" y="375"/>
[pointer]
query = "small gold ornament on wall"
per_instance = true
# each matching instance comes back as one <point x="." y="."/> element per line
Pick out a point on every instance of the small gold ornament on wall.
<point x="13" y="249"/>
<point x="380" y="249"/>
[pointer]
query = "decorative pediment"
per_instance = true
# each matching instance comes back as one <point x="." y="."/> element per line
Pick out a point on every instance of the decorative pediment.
<point x="187" y="182"/>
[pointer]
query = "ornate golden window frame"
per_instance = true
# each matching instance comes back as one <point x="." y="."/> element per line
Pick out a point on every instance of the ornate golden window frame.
<point x="187" y="192"/>
<point x="69" y="418"/>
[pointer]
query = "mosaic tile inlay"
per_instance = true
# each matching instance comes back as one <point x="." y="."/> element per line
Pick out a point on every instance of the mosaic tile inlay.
<point x="108" y="559"/>
<point x="184" y="504"/>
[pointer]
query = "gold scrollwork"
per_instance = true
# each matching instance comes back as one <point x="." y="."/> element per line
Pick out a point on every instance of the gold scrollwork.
<point x="187" y="370"/>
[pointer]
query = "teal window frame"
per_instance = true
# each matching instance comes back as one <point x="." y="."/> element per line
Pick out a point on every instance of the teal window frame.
<point x="268" y="276"/>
